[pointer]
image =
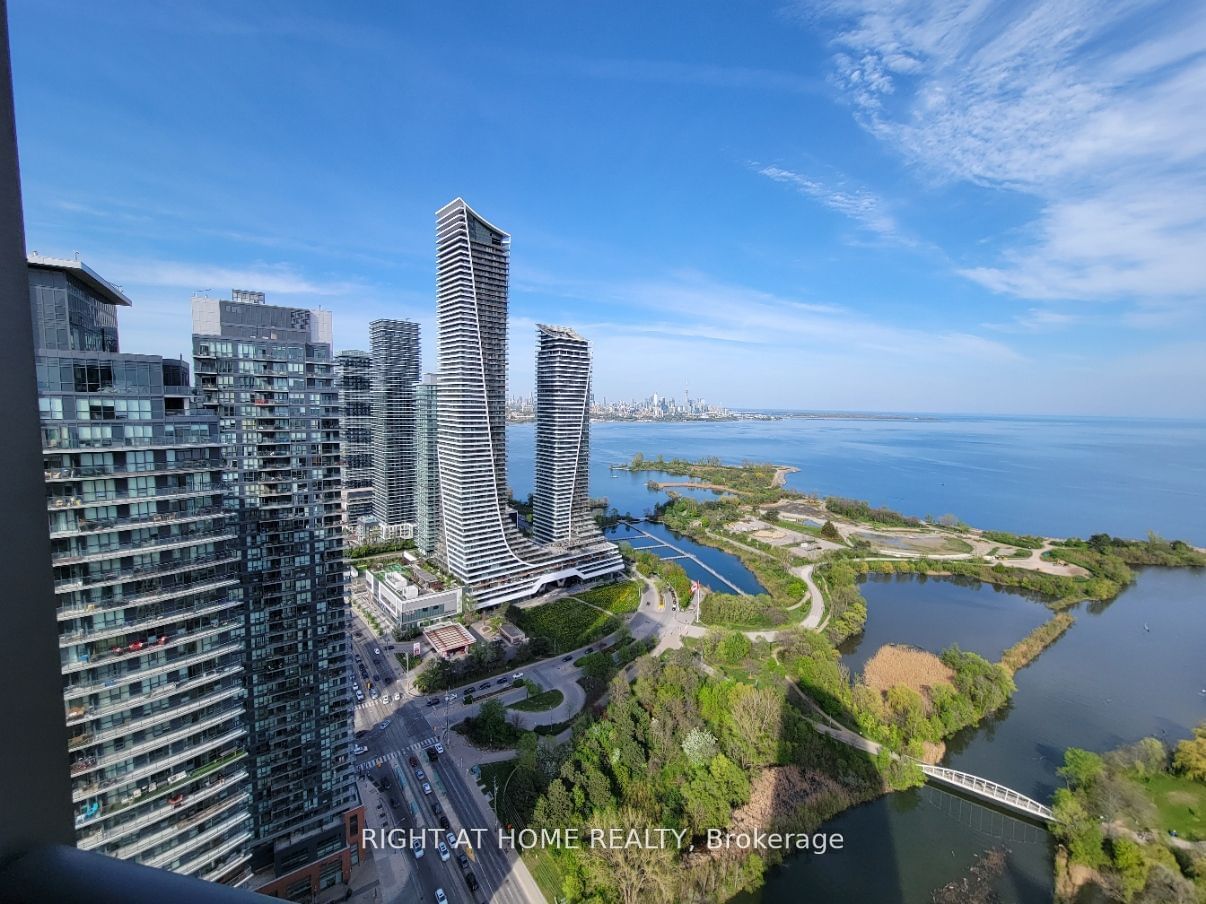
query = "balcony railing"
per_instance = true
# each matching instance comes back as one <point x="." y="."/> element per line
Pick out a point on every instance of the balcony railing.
<point x="117" y="575"/>
<point x="88" y="739"/>
<point x="71" y="638"/>
<point x="75" y="472"/>
<point x="80" y="690"/>
<point x="79" y="713"/>
<point x="211" y="582"/>
<point x="154" y="544"/>
<point x="83" y="792"/>
<point x="103" y="524"/>
<point x="148" y="644"/>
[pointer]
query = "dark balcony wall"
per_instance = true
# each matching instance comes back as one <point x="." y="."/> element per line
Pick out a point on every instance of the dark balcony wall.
<point x="33" y="783"/>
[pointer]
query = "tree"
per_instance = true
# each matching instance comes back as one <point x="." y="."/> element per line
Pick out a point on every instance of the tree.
<point x="830" y="532"/>
<point x="637" y="874"/>
<point x="757" y="718"/>
<point x="699" y="745"/>
<point x="1081" y="767"/>
<point x="1190" y="758"/>
<point x="1131" y="867"/>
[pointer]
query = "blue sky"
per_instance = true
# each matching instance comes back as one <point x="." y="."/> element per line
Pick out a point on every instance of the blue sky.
<point x="914" y="206"/>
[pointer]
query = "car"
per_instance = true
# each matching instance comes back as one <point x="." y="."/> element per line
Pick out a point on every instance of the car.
<point x="377" y="678"/>
<point x="359" y="749"/>
<point x="461" y="859"/>
<point x="448" y="698"/>
<point x="503" y="680"/>
<point x="674" y="608"/>
<point x="373" y="693"/>
<point x="432" y="755"/>
<point x="420" y="774"/>
<point x="445" y="854"/>
<point x="451" y="837"/>
<point x="439" y="748"/>
<point x="413" y="760"/>
<point x="517" y="676"/>
<point x="433" y="701"/>
<point x="393" y="803"/>
<point x="381" y="726"/>
<point x="436" y="808"/>
<point x="376" y="652"/>
<point x="386" y="784"/>
<point x="398" y="697"/>
<point x="441" y="898"/>
<point x="389" y="680"/>
<point x="567" y="658"/>
<point x="471" y="881"/>
<point x="444" y="823"/>
<point x="590" y="649"/>
<point x="426" y="788"/>
<point x="417" y="847"/>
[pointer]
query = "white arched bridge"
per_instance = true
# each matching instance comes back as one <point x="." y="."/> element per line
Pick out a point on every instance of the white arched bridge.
<point x="982" y="787"/>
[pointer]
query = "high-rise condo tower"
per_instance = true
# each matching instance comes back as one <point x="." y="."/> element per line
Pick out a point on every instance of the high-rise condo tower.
<point x="353" y="376"/>
<point x="267" y="373"/>
<point x="150" y="609"/>
<point x="394" y="345"/>
<point x="561" y="504"/>
<point x="483" y="547"/>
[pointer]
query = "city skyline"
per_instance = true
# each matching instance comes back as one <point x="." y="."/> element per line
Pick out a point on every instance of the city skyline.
<point x="870" y="237"/>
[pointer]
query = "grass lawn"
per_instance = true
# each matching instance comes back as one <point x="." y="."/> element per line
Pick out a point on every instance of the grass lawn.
<point x="566" y="623"/>
<point x="539" y="702"/>
<point x="545" y="871"/>
<point x="619" y="599"/>
<point x="1181" y="804"/>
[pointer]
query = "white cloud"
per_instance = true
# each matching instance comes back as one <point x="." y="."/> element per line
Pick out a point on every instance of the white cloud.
<point x="858" y="204"/>
<point x="1093" y="107"/>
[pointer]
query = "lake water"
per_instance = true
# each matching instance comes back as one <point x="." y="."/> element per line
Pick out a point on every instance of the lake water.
<point x="1057" y="476"/>
<point x="1127" y="669"/>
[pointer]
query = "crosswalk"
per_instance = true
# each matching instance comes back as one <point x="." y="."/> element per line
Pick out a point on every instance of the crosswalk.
<point x="380" y="760"/>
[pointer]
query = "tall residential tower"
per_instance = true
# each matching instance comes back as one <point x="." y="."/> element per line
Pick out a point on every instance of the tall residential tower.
<point x="561" y="503"/>
<point x="353" y="376"/>
<point x="396" y="364"/>
<point x="267" y="373"/>
<point x="151" y="627"/>
<point x="427" y="489"/>
<point x="483" y="549"/>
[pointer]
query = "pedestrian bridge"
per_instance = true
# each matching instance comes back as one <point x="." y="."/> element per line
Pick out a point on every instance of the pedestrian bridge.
<point x="983" y="788"/>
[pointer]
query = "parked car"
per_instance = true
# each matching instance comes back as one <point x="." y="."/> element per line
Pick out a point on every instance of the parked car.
<point x="413" y="760"/>
<point x="376" y="652"/>
<point x="432" y="755"/>
<point x="503" y="680"/>
<point x="386" y="784"/>
<point x="441" y="898"/>
<point x="439" y="748"/>
<point x="461" y="859"/>
<point x="433" y="701"/>
<point x="471" y="881"/>
<point x="426" y="788"/>
<point x="359" y="749"/>
<point x="417" y="847"/>
<point x="384" y="725"/>
<point x="436" y="808"/>
<point x="451" y="838"/>
<point x="445" y="854"/>
<point x="517" y="676"/>
<point x="485" y="687"/>
<point x="448" y="698"/>
<point x="398" y="697"/>
<point x="444" y="823"/>
<point x="567" y="658"/>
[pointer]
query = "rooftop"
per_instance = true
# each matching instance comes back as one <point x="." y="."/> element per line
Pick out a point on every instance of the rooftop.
<point x="448" y="637"/>
<point x="85" y="274"/>
<point x="559" y="332"/>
